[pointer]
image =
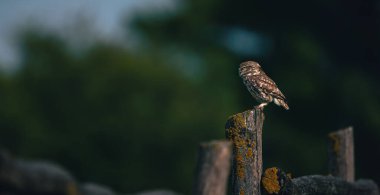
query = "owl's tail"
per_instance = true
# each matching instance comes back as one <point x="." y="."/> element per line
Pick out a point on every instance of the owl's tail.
<point x="281" y="102"/>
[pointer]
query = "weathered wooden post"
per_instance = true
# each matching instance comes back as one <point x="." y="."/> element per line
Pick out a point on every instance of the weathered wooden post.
<point x="245" y="132"/>
<point x="341" y="154"/>
<point x="213" y="168"/>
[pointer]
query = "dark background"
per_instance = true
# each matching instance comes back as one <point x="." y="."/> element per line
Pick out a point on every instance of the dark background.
<point x="132" y="118"/>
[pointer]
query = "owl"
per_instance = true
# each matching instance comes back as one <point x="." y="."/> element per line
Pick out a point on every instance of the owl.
<point x="261" y="87"/>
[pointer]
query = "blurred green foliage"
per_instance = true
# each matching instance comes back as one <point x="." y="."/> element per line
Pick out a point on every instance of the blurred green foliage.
<point x="133" y="119"/>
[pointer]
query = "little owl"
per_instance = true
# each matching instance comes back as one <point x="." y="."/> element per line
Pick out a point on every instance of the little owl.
<point x="261" y="87"/>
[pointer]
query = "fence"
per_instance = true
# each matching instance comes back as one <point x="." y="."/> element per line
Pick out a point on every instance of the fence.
<point x="243" y="146"/>
<point x="244" y="131"/>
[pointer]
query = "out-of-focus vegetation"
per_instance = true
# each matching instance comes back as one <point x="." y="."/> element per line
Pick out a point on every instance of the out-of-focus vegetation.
<point x="132" y="118"/>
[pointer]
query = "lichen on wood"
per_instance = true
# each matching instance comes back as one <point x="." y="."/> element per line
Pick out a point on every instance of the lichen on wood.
<point x="335" y="141"/>
<point x="270" y="181"/>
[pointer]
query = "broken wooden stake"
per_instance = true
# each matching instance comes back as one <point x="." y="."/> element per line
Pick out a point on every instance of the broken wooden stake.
<point x="341" y="154"/>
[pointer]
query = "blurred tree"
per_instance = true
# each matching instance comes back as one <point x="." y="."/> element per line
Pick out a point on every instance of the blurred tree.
<point x="129" y="120"/>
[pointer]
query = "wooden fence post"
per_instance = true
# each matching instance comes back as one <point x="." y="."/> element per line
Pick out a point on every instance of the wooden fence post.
<point x="245" y="131"/>
<point x="341" y="154"/>
<point x="213" y="168"/>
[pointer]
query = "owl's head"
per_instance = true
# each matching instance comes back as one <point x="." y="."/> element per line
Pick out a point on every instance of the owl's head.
<point x="249" y="68"/>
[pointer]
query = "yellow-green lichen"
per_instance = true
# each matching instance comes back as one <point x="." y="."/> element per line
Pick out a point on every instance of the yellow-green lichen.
<point x="238" y="124"/>
<point x="240" y="167"/>
<point x="336" y="142"/>
<point x="270" y="181"/>
<point x="249" y="153"/>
